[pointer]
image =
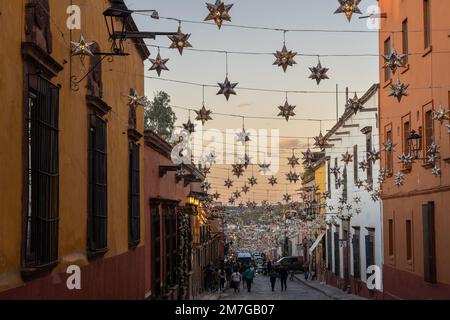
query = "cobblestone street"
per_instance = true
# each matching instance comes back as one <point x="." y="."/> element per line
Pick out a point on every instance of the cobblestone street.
<point x="297" y="289"/>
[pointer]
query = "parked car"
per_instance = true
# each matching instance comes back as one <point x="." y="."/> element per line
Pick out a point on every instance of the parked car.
<point x="244" y="258"/>
<point x="291" y="263"/>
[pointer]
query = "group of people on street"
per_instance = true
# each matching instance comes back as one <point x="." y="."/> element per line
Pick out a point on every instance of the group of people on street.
<point x="230" y="275"/>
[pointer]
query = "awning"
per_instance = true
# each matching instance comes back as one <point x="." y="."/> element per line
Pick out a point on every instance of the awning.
<point x="313" y="247"/>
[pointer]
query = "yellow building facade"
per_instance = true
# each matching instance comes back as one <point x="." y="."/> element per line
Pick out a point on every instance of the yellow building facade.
<point x="72" y="213"/>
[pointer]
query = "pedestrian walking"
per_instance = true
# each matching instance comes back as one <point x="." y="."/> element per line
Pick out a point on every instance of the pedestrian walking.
<point x="283" y="278"/>
<point x="273" y="278"/>
<point x="235" y="280"/>
<point x="222" y="280"/>
<point x="249" y="274"/>
<point x="306" y="270"/>
<point x="228" y="272"/>
<point x="208" y="277"/>
<point x="216" y="285"/>
<point x="269" y="267"/>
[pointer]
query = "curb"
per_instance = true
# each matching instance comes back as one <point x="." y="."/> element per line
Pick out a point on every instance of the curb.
<point x="315" y="288"/>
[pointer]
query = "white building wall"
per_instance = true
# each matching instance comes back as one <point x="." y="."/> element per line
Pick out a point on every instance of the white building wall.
<point x="371" y="212"/>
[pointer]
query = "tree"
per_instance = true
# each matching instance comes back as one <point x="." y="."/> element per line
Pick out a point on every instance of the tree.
<point x="159" y="116"/>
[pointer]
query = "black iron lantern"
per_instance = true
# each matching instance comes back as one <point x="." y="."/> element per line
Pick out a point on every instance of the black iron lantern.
<point x="414" y="140"/>
<point x="118" y="23"/>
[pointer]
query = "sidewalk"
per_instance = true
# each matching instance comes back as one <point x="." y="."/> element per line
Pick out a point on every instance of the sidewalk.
<point x="329" y="291"/>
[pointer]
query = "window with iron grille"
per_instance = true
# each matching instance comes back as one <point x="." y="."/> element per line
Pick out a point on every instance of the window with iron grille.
<point x="355" y="163"/>
<point x="329" y="252"/>
<point x="97" y="198"/>
<point x="156" y="251"/>
<point x="345" y="190"/>
<point x="429" y="130"/>
<point x="389" y="154"/>
<point x="42" y="216"/>
<point x="134" y="212"/>
<point x="405" y="39"/>
<point x="356" y="255"/>
<point x="429" y="242"/>
<point x="369" y="147"/>
<point x="337" y="258"/>
<point x="387" y="52"/>
<point x="170" y="246"/>
<point x="370" y="248"/>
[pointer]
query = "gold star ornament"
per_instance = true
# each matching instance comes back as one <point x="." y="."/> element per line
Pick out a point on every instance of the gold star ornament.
<point x="158" y="64"/>
<point x="203" y="115"/>
<point x="219" y="12"/>
<point x="285" y="58"/>
<point x="348" y="7"/>
<point x="227" y="88"/>
<point x="180" y="41"/>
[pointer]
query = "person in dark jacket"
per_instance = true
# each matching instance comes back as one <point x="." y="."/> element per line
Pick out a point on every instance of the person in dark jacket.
<point x="283" y="278"/>
<point x="269" y="267"/>
<point x="273" y="278"/>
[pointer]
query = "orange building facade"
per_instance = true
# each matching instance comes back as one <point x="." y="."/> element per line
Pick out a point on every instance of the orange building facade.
<point x="416" y="216"/>
<point x="71" y="166"/>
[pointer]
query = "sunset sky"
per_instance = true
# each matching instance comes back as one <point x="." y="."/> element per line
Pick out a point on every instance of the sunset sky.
<point x="257" y="71"/>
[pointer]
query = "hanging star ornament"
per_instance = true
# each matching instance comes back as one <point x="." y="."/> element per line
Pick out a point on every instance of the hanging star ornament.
<point x="389" y="146"/>
<point x="436" y="171"/>
<point x="375" y="195"/>
<point x="180" y="41"/>
<point x="243" y="136"/>
<point x="348" y="7"/>
<point x="393" y="61"/>
<point x="245" y="189"/>
<point x="292" y="177"/>
<point x="347" y="158"/>
<point x="158" y="64"/>
<point x="441" y="114"/>
<point x="206" y="185"/>
<point x="356" y="199"/>
<point x="273" y="181"/>
<point x="364" y="165"/>
<point x="399" y="179"/>
<point x="286" y="111"/>
<point x="136" y="99"/>
<point x="335" y="171"/>
<point x="318" y="73"/>
<point x="285" y="58"/>
<point x="354" y="104"/>
<point x="231" y="200"/>
<point x="359" y="183"/>
<point x="203" y="115"/>
<point x="238" y="170"/>
<point x="264" y="168"/>
<point x="189" y="126"/>
<point x="293" y="160"/>
<point x="82" y="48"/>
<point x="320" y="141"/>
<point x="399" y="90"/>
<point x="236" y="194"/>
<point x="219" y="12"/>
<point x="252" y="181"/>
<point x="227" y="88"/>
<point x="216" y="195"/>
<point x="339" y="182"/>
<point x="287" y="197"/>
<point x="406" y="159"/>
<point x="373" y="156"/>
<point x="228" y="183"/>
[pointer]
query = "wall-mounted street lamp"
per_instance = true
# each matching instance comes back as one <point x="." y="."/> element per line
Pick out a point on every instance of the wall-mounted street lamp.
<point x="116" y="19"/>
<point x="414" y="142"/>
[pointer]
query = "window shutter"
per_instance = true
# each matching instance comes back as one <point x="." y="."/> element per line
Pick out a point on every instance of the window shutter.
<point x="429" y="249"/>
<point x="356" y="257"/>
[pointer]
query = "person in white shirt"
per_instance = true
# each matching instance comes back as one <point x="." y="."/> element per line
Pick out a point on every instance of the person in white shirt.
<point x="236" y="280"/>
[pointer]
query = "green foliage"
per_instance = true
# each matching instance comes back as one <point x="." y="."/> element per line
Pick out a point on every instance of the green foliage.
<point x="159" y="116"/>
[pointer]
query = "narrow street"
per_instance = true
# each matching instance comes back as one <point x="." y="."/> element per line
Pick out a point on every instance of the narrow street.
<point x="296" y="290"/>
